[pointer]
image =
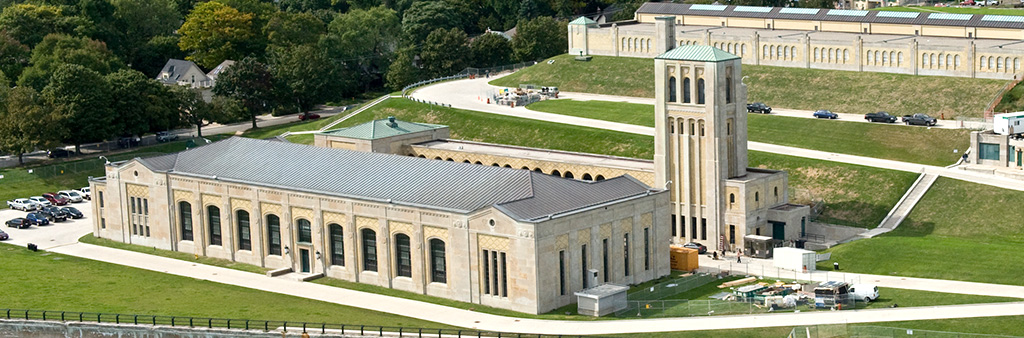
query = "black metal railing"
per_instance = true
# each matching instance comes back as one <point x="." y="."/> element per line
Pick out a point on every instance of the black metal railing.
<point x="259" y="325"/>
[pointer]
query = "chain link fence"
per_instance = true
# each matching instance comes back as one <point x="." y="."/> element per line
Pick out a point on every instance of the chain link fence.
<point x="672" y="287"/>
<point x="870" y="331"/>
<point x="716" y="307"/>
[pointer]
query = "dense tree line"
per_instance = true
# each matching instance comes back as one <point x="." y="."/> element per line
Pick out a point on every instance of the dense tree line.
<point x="80" y="71"/>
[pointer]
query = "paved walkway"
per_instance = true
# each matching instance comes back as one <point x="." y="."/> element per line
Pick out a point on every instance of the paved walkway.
<point x="905" y="205"/>
<point x="481" y="321"/>
<point x="469" y="94"/>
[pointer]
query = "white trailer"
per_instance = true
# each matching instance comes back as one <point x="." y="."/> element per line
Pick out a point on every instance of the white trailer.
<point x="795" y="259"/>
<point x="1008" y="123"/>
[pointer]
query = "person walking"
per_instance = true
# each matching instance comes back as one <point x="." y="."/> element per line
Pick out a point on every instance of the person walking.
<point x="739" y="253"/>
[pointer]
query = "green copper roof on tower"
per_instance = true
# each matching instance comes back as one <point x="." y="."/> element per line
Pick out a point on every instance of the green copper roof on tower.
<point x="697" y="53"/>
<point x="583" y="21"/>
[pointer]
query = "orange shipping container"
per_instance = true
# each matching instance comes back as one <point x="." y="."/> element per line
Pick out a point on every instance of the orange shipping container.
<point x="681" y="258"/>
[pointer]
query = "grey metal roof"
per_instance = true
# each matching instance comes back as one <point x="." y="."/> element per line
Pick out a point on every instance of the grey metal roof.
<point x="174" y="69"/>
<point x="934" y="19"/>
<point x="459" y="187"/>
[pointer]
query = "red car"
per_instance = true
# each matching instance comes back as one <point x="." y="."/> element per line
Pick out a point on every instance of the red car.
<point x="56" y="199"/>
<point x="308" y="116"/>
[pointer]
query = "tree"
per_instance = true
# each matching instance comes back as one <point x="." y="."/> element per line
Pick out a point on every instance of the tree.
<point x="192" y="109"/>
<point x="29" y="23"/>
<point x="14" y="57"/>
<point x="445" y="52"/>
<point x="251" y="83"/>
<point x="215" y="32"/>
<point x="403" y="72"/>
<point x="154" y="54"/>
<point x="26" y="124"/>
<point x="139" y="21"/>
<point x="58" y="49"/>
<point x="365" y="40"/>
<point x="306" y="75"/>
<point x="426" y="16"/>
<point x="141" y="104"/>
<point x="102" y="24"/>
<point x="80" y="97"/>
<point x="539" y="38"/>
<point x="301" y="6"/>
<point x="288" y="30"/>
<point x="491" y="50"/>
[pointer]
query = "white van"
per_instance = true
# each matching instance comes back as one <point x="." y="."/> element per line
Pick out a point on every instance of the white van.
<point x="864" y="292"/>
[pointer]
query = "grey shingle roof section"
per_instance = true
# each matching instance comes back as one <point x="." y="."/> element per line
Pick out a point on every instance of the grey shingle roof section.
<point x="963" y="20"/>
<point x="458" y="187"/>
<point x="175" y="69"/>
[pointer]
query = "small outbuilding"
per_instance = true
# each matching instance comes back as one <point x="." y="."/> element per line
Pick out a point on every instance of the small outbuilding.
<point x="601" y="300"/>
<point x="795" y="259"/>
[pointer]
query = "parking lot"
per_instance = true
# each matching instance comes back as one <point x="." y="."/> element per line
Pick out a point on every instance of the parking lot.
<point x="52" y="235"/>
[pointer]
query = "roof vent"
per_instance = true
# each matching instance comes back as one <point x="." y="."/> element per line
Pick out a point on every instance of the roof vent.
<point x="391" y="122"/>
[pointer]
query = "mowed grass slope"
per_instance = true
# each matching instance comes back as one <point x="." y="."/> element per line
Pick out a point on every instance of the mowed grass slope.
<point x="959" y="230"/>
<point x="794" y="88"/>
<point x="49" y="281"/>
<point x="893" y="142"/>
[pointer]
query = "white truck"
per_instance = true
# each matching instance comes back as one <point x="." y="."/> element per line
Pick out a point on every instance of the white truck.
<point x="23" y="204"/>
<point x="864" y="292"/>
<point x="1008" y="123"/>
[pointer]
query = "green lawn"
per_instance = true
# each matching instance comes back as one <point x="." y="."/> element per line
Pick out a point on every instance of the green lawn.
<point x="959" y="10"/>
<point x="90" y="239"/>
<point x="794" y="88"/>
<point x="959" y="230"/>
<point x="272" y="131"/>
<point x="895" y="142"/>
<point x="1013" y="100"/>
<point x="1008" y="326"/>
<point x="49" y="281"/>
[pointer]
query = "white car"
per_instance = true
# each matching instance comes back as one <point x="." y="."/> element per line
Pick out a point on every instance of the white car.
<point x="22" y="204"/>
<point x="864" y="292"/>
<point x="71" y="195"/>
<point x="40" y="200"/>
<point x="86" y="192"/>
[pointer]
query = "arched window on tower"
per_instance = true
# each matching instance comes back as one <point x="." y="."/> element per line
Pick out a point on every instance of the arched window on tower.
<point x="700" y="91"/>
<point x="728" y="87"/>
<point x="686" y="90"/>
<point x="671" y="89"/>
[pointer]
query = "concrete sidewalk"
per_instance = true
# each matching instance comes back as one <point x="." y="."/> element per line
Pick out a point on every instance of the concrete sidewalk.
<point x="481" y="321"/>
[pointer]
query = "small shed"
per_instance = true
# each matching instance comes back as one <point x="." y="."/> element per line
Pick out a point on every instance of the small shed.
<point x="795" y="259"/>
<point x="683" y="259"/>
<point x="601" y="300"/>
<point x="758" y="246"/>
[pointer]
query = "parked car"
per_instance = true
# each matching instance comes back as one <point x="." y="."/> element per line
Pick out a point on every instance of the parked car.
<point x="37" y="218"/>
<point x="20" y="223"/>
<point x="758" y="107"/>
<point x="129" y="141"/>
<point x="71" y="195"/>
<point x="72" y="212"/>
<point x="3" y="236"/>
<point x="59" y="152"/>
<point x="56" y="199"/>
<point x="701" y="249"/>
<point x="86" y="192"/>
<point x="308" y="116"/>
<point x="163" y="136"/>
<point x="919" y="120"/>
<point x="54" y="214"/>
<point x="42" y="201"/>
<point x="880" y="117"/>
<point x="23" y="204"/>
<point x="864" y="292"/>
<point x="825" y="114"/>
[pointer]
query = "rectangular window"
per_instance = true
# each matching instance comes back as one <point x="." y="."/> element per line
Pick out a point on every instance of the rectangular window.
<point x="647" y="249"/>
<point x="486" y="281"/>
<point x="274" y="234"/>
<point x="504" y="277"/>
<point x="131" y="202"/>
<point x="703" y="228"/>
<point x="213" y="219"/>
<point x="337" y="245"/>
<point x="369" y="250"/>
<point x="693" y="227"/>
<point x="583" y="265"/>
<point x="732" y="234"/>
<point x="403" y="257"/>
<point x="561" y="272"/>
<point x="305" y="231"/>
<point x="988" y="151"/>
<point x="604" y="259"/>
<point x="244" y="236"/>
<point x="103" y="223"/>
<point x="625" y="254"/>
<point x="185" y="217"/>
<point x="145" y="207"/>
<point x="439" y="268"/>
<point x="101" y="199"/>
<point x="495" y="288"/>
<point x="674" y="226"/>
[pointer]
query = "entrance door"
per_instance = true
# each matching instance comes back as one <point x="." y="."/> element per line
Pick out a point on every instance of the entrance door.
<point x="304" y="254"/>
<point x="1019" y="158"/>
<point x="778" y="230"/>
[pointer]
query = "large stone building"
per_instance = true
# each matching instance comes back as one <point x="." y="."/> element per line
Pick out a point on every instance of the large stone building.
<point x="962" y="45"/>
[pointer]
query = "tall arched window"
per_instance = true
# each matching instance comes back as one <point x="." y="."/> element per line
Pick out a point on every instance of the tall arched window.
<point x="728" y="88"/>
<point x="764" y="52"/>
<point x="885" y="58"/>
<point x="990" y="66"/>
<point x="899" y="61"/>
<point x="743" y="49"/>
<point x="1016" y="64"/>
<point x="876" y="57"/>
<point x="369" y="249"/>
<point x="1006" y="64"/>
<point x="671" y="89"/>
<point x="942" y="60"/>
<point x="778" y="53"/>
<point x="273" y="235"/>
<point x="757" y="197"/>
<point x="846" y="55"/>
<point x="999" y="63"/>
<point x="244" y="233"/>
<point x="686" y="90"/>
<point x="816" y="56"/>
<point x="185" y="218"/>
<point x="337" y="244"/>
<point x="305" y="230"/>
<point x="772" y="54"/>
<point x="732" y="198"/>
<point x="956" y="62"/>
<point x="213" y="221"/>
<point x="403" y="256"/>
<point x="438" y="267"/>
<point x="892" y="58"/>
<point x="868" y="57"/>
<point x="648" y="45"/>
<point x="700" y="91"/>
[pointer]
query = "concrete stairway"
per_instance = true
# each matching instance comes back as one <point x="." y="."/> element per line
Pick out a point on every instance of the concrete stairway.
<point x="904" y="206"/>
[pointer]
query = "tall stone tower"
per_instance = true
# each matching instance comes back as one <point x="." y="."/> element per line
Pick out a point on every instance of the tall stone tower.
<point x="700" y="138"/>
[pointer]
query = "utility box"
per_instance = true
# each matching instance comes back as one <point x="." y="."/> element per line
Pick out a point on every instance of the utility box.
<point x="601" y="300"/>
<point x="683" y="259"/>
<point x="1008" y="123"/>
<point x="795" y="259"/>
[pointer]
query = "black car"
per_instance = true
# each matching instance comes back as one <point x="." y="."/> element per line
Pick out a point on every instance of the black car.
<point x="37" y="218"/>
<point x="701" y="249"/>
<point x="20" y="223"/>
<point x="758" y="107"/>
<point x="59" y="152"/>
<point x="72" y="212"/>
<point x="880" y="117"/>
<point x="3" y="236"/>
<point x="128" y="141"/>
<point x="54" y="214"/>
